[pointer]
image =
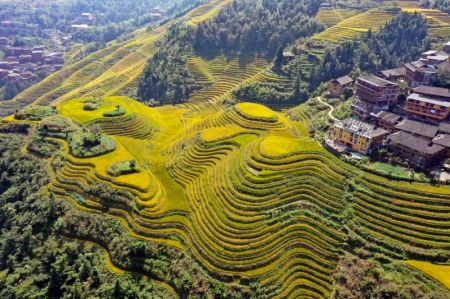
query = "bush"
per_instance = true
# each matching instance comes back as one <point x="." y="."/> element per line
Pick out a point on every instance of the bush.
<point x="115" y="113"/>
<point x="123" y="168"/>
<point x="90" y="143"/>
<point x="35" y="113"/>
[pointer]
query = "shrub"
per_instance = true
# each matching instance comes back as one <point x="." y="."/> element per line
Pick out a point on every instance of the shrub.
<point x="123" y="168"/>
<point x="115" y="113"/>
<point x="35" y="113"/>
<point x="90" y="143"/>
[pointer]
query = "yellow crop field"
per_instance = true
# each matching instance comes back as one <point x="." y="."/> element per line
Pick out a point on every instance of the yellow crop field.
<point x="238" y="186"/>
<point x="352" y="28"/>
<point x="439" y="272"/>
<point x="332" y="17"/>
<point x="215" y="179"/>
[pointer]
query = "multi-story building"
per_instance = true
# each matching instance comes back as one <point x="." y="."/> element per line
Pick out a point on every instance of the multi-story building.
<point x="426" y="107"/>
<point x="419" y="73"/>
<point x="358" y="136"/>
<point x="373" y="94"/>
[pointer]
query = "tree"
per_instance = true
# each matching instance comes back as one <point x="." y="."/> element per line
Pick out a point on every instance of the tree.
<point x="278" y="61"/>
<point x="443" y="78"/>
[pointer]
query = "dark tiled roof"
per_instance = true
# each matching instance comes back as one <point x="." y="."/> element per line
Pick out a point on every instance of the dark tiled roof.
<point x="444" y="127"/>
<point x="417" y="128"/>
<point x="442" y="139"/>
<point x="388" y="116"/>
<point x="418" y="144"/>
<point x="344" y="80"/>
<point x="374" y="80"/>
<point x="394" y="72"/>
<point x="432" y="91"/>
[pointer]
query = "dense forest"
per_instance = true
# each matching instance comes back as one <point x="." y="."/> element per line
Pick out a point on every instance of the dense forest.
<point x="400" y="40"/>
<point x="167" y="78"/>
<point x="241" y="28"/>
<point x="250" y="25"/>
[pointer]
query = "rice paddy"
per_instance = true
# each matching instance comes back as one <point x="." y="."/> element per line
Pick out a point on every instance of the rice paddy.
<point x="247" y="192"/>
<point x="352" y="28"/>
<point x="439" y="272"/>
<point x="241" y="187"/>
<point x="332" y="17"/>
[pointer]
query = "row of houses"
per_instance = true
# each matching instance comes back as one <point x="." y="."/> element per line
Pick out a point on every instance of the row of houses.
<point x="21" y="64"/>
<point x="417" y="131"/>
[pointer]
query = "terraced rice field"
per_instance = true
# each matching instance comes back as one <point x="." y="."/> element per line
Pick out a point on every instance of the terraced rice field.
<point x="106" y="72"/>
<point x="352" y="28"/>
<point x="439" y="272"/>
<point x="438" y="21"/>
<point x="221" y="75"/>
<point x="249" y="194"/>
<point x="332" y="17"/>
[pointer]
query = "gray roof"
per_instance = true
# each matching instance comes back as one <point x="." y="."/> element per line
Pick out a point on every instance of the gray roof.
<point x="361" y="128"/>
<point x="344" y="80"/>
<point x="418" y="128"/>
<point x="388" y="116"/>
<point x="444" y="127"/>
<point x="416" y="143"/>
<point x="394" y="72"/>
<point x="432" y="91"/>
<point x="374" y="80"/>
<point x="418" y="97"/>
<point x="443" y="140"/>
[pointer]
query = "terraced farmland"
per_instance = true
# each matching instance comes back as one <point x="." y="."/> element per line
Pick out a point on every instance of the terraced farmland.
<point x="249" y="194"/>
<point x="106" y="72"/>
<point x="352" y="28"/>
<point x="332" y="17"/>
<point x="438" y="21"/>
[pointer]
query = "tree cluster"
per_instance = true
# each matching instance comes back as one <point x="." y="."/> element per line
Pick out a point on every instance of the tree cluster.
<point x="167" y="78"/>
<point x="262" y="25"/>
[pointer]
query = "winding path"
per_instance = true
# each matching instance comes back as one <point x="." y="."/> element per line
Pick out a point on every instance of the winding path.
<point x="330" y="113"/>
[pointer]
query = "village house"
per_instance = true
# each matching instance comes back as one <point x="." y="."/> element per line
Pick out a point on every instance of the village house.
<point x="387" y="120"/>
<point x="417" y="128"/>
<point x="419" y="73"/>
<point x="338" y="85"/>
<point x="373" y="94"/>
<point x="427" y="107"/>
<point x="418" y="151"/>
<point x="288" y="57"/>
<point x="432" y="92"/>
<point x="358" y="136"/>
<point x="393" y="75"/>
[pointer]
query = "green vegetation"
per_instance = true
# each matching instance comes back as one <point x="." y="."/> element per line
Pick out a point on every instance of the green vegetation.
<point x="264" y="26"/>
<point x="90" y="143"/>
<point x="211" y="198"/>
<point x="167" y="78"/>
<point x="123" y="168"/>
<point x="119" y="111"/>
<point x="35" y="113"/>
